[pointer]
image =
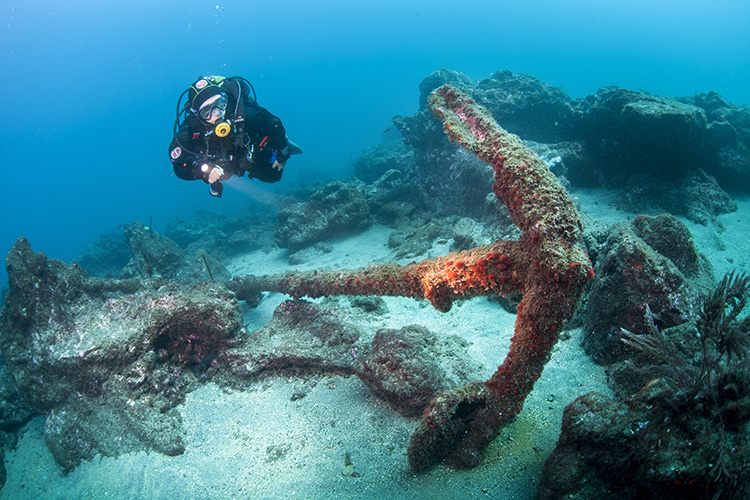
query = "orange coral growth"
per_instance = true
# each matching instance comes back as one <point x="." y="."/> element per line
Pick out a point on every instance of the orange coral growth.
<point x="548" y="265"/>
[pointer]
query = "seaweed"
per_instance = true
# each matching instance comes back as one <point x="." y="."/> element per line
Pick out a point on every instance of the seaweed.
<point x="658" y="357"/>
<point x="202" y="254"/>
<point x="724" y="323"/>
<point x="713" y="384"/>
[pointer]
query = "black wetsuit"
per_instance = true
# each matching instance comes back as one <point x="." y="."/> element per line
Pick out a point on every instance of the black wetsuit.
<point x="256" y="140"/>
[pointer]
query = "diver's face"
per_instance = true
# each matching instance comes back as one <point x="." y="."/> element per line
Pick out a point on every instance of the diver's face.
<point x="216" y="115"/>
<point x="214" y="109"/>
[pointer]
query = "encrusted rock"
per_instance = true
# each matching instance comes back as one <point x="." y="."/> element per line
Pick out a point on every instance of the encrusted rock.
<point x="225" y="235"/>
<point x="370" y="304"/>
<point x="337" y="208"/>
<point x="107" y="369"/>
<point x="408" y="367"/>
<point x="522" y="103"/>
<point x="416" y="238"/>
<point x="466" y="234"/>
<point x="15" y="412"/>
<point x="632" y="274"/>
<point x="395" y="197"/>
<point x="377" y="160"/>
<point x="672" y="239"/>
<point x="695" y="195"/>
<point x="310" y="253"/>
<point x="654" y="134"/>
<point x="107" y="256"/>
<point x="156" y="256"/>
<point x="727" y="139"/>
<point x="300" y="335"/>
<point x="440" y="77"/>
<point x="526" y="106"/>
<point x="640" y="448"/>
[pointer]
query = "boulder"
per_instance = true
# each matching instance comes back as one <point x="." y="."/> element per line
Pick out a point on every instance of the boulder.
<point x="417" y="237"/>
<point x="631" y="133"/>
<point x="106" y="257"/>
<point x="440" y="77"/>
<point x="224" y="235"/>
<point x="696" y="196"/>
<point x="632" y="276"/>
<point x="156" y="256"/>
<point x="646" y="447"/>
<point x="409" y="366"/>
<point x="336" y="209"/>
<point x="727" y="139"/>
<point x="524" y="105"/>
<point x="377" y="160"/>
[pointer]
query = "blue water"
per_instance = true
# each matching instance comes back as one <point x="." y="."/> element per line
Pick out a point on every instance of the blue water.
<point x="88" y="89"/>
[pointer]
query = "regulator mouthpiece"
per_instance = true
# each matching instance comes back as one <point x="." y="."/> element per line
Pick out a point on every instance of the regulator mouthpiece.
<point x="222" y="129"/>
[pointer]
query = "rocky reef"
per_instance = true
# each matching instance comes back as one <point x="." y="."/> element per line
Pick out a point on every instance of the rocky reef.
<point x="679" y="426"/>
<point x="106" y="361"/>
<point x="669" y="154"/>
<point x="409" y="366"/>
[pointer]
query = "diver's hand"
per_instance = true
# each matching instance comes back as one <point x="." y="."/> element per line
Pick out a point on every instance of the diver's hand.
<point x="215" y="175"/>
<point x="278" y="166"/>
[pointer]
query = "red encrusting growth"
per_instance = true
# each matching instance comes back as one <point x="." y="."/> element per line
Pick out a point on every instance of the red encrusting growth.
<point x="548" y="265"/>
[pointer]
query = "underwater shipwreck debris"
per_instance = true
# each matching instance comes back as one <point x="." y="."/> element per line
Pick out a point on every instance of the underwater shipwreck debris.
<point x="106" y="362"/>
<point x="548" y="265"/>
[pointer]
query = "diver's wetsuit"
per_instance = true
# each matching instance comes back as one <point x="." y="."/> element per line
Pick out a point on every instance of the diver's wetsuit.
<point x="256" y="140"/>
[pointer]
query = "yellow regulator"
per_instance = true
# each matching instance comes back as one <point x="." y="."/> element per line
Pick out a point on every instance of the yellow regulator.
<point x="222" y="129"/>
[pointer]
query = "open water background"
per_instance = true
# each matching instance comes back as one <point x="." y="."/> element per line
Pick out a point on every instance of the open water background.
<point x="88" y="89"/>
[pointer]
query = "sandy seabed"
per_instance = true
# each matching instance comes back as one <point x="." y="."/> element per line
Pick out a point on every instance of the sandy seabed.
<point x="261" y="443"/>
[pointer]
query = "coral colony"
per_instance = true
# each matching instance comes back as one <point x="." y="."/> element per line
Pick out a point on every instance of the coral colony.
<point x="547" y="264"/>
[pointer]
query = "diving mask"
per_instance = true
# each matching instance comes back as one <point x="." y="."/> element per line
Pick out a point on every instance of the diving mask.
<point x="208" y="107"/>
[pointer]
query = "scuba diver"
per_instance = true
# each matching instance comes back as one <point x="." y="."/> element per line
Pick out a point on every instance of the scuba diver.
<point x="226" y="133"/>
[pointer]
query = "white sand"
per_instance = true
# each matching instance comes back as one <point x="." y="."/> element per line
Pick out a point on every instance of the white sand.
<point x="258" y="444"/>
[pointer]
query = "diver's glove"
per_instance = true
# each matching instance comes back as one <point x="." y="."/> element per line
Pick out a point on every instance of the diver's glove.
<point x="276" y="163"/>
<point x="210" y="173"/>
